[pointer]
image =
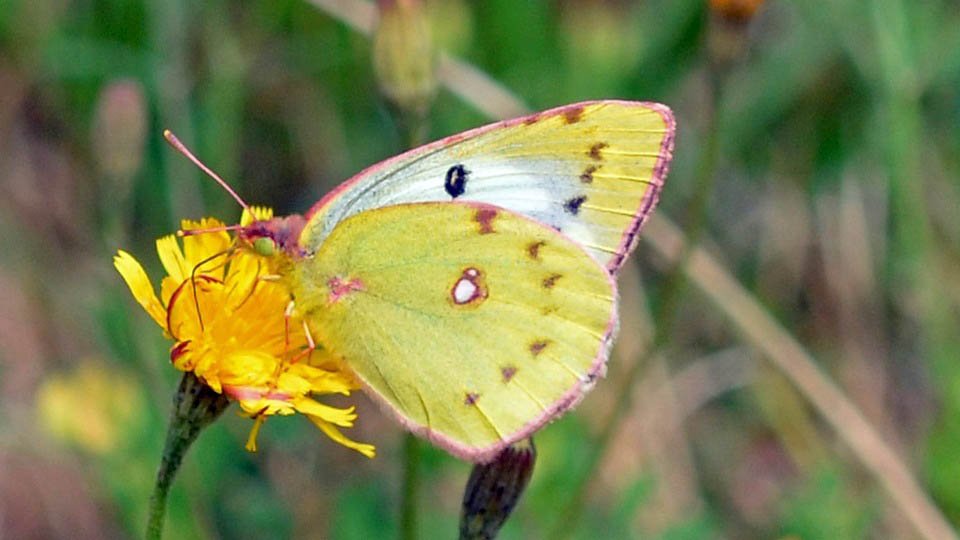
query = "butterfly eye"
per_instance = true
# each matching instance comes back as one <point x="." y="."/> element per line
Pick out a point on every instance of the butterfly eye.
<point x="264" y="246"/>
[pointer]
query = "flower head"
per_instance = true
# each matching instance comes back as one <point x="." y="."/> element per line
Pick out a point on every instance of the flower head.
<point x="232" y="328"/>
<point x="94" y="407"/>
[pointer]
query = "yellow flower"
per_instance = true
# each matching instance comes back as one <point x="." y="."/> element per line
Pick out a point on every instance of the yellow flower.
<point x="96" y="407"/>
<point x="231" y="328"/>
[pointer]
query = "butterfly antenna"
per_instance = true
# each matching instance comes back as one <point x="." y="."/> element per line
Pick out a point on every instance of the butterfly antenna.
<point x="193" y="280"/>
<point x="175" y="142"/>
<point x="193" y="232"/>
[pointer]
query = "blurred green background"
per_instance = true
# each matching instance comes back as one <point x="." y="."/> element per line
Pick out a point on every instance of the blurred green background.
<point x="817" y="161"/>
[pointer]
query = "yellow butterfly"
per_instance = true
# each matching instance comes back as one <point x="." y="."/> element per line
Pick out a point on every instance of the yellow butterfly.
<point x="469" y="283"/>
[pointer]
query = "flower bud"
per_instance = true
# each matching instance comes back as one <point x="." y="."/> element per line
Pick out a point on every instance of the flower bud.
<point x="195" y="406"/>
<point x="404" y="59"/>
<point x="93" y="407"/>
<point x="119" y="129"/>
<point x="735" y="10"/>
<point x="728" y="34"/>
<point x="493" y="490"/>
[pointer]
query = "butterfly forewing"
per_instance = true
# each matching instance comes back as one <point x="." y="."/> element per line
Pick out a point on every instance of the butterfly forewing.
<point x="591" y="170"/>
<point x="474" y="324"/>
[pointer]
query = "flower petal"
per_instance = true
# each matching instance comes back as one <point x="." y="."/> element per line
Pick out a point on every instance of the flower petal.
<point x="172" y="258"/>
<point x="140" y="286"/>
<point x="248" y="368"/>
<point x="293" y="384"/>
<point x="261" y="213"/>
<point x="322" y="381"/>
<point x="340" y="417"/>
<point x="263" y="406"/>
<point x="183" y="309"/>
<point x="243" y="277"/>
<point x="198" y="248"/>
<point x="167" y="287"/>
<point x="366" y="449"/>
<point x="251" y="445"/>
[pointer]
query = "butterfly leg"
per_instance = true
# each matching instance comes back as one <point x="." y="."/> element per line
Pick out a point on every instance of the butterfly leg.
<point x="287" y="313"/>
<point x="306" y="332"/>
<point x="311" y="344"/>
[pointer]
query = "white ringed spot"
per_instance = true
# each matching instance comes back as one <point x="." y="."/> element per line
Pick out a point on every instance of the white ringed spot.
<point x="468" y="288"/>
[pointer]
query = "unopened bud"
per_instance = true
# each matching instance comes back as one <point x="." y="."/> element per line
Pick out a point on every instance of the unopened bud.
<point x="195" y="406"/>
<point x="120" y="129"/>
<point x="404" y="59"/>
<point x="735" y="10"/>
<point x="728" y="32"/>
<point x="493" y="490"/>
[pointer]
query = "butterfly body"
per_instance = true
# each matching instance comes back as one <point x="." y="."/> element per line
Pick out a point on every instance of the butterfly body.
<point x="469" y="283"/>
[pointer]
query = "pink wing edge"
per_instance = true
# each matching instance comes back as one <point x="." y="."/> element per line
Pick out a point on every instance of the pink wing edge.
<point x="660" y="169"/>
<point x="566" y="402"/>
<point x="630" y="237"/>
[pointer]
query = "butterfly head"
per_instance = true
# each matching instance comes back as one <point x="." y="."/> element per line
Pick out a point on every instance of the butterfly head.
<point x="274" y="236"/>
<point x="259" y="231"/>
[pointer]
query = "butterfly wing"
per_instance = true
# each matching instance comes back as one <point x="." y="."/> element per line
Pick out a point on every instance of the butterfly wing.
<point x="474" y="324"/>
<point x="592" y="170"/>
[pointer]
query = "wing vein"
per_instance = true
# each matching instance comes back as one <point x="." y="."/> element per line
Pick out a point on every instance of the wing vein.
<point x="386" y="380"/>
<point x="530" y="394"/>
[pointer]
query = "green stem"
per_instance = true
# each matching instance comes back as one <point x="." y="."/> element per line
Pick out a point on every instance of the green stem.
<point x="672" y="293"/>
<point x="411" y="485"/>
<point x="413" y="127"/>
<point x="676" y="281"/>
<point x="914" y="263"/>
<point x="195" y="406"/>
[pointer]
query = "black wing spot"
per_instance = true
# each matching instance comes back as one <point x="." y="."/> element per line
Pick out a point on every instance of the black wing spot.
<point x="550" y="281"/>
<point x="537" y="347"/>
<point x="573" y="205"/>
<point x="573" y="115"/>
<point x="534" y="249"/>
<point x="587" y="176"/>
<point x="594" y="151"/>
<point x="456" y="181"/>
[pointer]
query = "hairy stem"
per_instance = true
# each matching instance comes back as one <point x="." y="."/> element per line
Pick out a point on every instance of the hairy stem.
<point x="195" y="406"/>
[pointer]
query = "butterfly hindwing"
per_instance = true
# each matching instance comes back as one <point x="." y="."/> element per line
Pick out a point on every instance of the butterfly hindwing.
<point x="592" y="170"/>
<point x="474" y="324"/>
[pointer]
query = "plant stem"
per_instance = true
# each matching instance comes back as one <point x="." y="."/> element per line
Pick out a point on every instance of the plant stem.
<point x="411" y="485"/>
<point x="195" y="405"/>
<point x="754" y="323"/>
<point x="493" y="490"/>
<point x="413" y="127"/>
<point x="672" y="289"/>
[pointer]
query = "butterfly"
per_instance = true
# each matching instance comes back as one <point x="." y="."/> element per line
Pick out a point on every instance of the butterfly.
<point x="470" y="283"/>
